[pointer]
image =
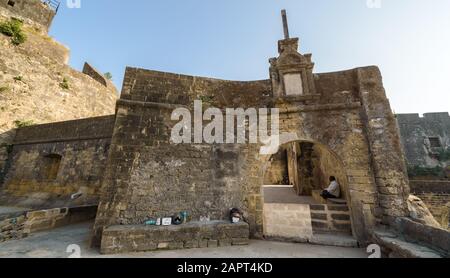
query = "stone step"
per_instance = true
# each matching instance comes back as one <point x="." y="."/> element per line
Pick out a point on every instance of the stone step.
<point x="337" y="201"/>
<point x="336" y="239"/>
<point x="331" y="219"/>
<point x="331" y="226"/>
<point x="326" y="207"/>
<point x="316" y="196"/>
<point x="342" y="217"/>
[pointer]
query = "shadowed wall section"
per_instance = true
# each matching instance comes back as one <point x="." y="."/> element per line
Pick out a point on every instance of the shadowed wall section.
<point x="51" y="162"/>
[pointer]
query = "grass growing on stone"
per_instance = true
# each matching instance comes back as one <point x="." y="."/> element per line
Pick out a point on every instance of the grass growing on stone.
<point x="207" y="99"/>
<point x="64" y="84"/>
<point x="3" y="89"/>
<point x="18" y="78"/>
<point x="13" y="29"/>
<point x="444" y="155"/>
<point x="20" y="124"/>
<point x="419" y="171"/>
<point x="108" y="76"/>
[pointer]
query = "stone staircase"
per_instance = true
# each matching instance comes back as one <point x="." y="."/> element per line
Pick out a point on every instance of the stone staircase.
<point x="316" y="196"/>
<point x="331" y="218"/>
<point x="306" y="219"/>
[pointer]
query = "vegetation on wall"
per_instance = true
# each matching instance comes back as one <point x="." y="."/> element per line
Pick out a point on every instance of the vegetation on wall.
<point x="20" y="124"/>
<point x="108" y="76"/>
<point x="3" y="89"/>
<point x="13" y="29"/>
<point x="443" y="155"/>
<point x="207" y="99"/>
<point x="65" y="84"/>
<point x="419" y="171"/>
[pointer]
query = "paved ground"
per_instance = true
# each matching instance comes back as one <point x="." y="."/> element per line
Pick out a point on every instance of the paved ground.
<point x="285" y="194"/>
<point x="53" y="244"/>
<point x="4" y="210"/>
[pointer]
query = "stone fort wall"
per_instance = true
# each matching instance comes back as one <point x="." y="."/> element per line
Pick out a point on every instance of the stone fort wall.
<point x="436" y="195"/>
<point x="33" y="12"/>
<point x="416" y="133"/>
<point x="81" y="147"/>
<point x="148" y="176"/>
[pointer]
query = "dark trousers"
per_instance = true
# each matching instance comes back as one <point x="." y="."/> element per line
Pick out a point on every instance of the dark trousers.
<point x="327" y="195"/>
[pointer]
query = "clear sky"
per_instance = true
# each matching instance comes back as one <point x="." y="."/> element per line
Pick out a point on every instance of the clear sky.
<point x="233" y="39"/>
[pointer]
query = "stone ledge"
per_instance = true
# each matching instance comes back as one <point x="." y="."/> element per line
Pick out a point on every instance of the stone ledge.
<point x="141" y="238"/>
<point x="395" y="247"/>
<point x="431" y="237"/>
<point x="21" y="224"/>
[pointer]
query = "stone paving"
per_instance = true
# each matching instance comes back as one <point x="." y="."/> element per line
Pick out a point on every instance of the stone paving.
<point x="5" y="210"/>
<point x="53" y="244"/>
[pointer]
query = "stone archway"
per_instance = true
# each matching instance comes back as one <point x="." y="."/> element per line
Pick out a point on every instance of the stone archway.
<point x="293" y="208"/>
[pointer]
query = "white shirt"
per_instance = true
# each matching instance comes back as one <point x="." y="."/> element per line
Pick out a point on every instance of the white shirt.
<point x="334" y="189"/>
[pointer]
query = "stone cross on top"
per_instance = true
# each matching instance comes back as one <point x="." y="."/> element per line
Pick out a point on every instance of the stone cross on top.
<point x="285" y="24"/>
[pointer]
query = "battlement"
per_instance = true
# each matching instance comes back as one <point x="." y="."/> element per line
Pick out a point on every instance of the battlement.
<point x="427" y="117"/>
<point x="32" y="12"/>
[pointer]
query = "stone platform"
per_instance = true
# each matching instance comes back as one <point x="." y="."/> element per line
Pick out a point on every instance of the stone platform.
<point x="316" y="194"/>
<point x="141" y="238"/>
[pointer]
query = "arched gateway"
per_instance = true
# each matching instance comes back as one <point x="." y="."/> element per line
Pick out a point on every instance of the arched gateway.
<point x="292" y="185"/>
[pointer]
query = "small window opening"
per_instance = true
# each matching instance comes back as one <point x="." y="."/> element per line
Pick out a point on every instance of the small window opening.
<point x="435" y="142"/>
<point x="52" y="163"/>
<point x="11" y="3"/>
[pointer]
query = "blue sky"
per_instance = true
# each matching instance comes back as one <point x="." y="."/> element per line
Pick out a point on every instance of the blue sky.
<point x="232" y="39"/>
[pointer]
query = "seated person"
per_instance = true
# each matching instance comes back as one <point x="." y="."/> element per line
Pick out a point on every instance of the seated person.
<point x="333" y="191"/>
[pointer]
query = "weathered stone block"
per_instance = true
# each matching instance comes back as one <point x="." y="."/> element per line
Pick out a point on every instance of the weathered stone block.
<point x="345" y="217"/>
<point x="118" y="239"/>
<point x="338" y="208"/>
<point x="41" y="225"/>
<point x="163" y="245"/>
<point x="240" y="241"/>
<point x="145" y="246"/>
<point x="319" y="225"/>
<point x="225" y="242"/>
<point x="37" y="214"/>
<point x="213" y="243"/>
<point x="191" y="244"/>
<point x="319" y="216"/>
<point x="203" y="243"/>
<point x="342" y="226"/>
<point x="176" y="245"/>
<point x="317" y="207"/>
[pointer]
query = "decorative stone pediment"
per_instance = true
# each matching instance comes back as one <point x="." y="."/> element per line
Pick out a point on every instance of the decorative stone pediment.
<point x="291" y="73"/>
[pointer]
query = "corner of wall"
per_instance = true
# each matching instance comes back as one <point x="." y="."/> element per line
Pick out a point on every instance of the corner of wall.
<point x="388" y="161"/>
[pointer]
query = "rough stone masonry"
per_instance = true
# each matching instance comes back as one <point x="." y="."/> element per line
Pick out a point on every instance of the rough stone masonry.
<point x="128" y="163"/>
<point x="347" y="112"/>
